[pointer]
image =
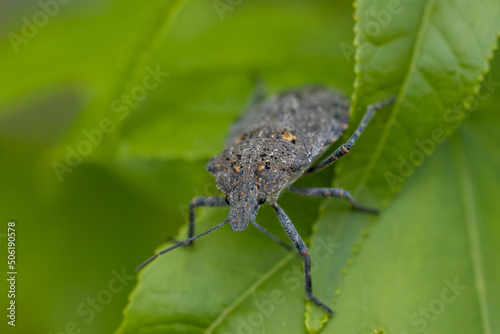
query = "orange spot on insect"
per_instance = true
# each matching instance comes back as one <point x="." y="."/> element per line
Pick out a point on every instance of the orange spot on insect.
<point x="236" y="168"/>
<point x="341" y="192"/>
<point x="289" y="136"/>
<point x="345" y="149"/>
<point x="305" y="252"/>
<point x="261" y="168"/>
<point x="240" y="137"/>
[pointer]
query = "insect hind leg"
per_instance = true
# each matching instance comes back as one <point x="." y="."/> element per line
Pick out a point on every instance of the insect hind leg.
<point x="333" y="192"/>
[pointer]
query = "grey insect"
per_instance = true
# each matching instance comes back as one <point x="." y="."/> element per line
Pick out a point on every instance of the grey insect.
<point x="268" y="148"/>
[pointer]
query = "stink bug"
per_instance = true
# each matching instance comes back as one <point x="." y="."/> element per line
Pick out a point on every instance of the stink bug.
<point x="268" y="148"/>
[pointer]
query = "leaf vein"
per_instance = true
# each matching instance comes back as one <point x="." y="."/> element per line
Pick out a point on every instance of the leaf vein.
<point x="248" y="292"/>
<point x="465" y="186"/>
<point x="397" y="106"/>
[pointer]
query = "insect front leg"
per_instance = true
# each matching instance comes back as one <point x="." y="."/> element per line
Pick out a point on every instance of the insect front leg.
<point x="333" y="192"/>
<point x="303" y="251"/>
<point x="201" y="201"/>
<point x="345" y="148"/>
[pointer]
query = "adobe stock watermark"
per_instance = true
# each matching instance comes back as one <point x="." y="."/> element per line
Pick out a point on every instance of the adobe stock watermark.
<point x="427" y="314"/>
<point x="452" y="118"/>
<point x="121" y="107"/>
<point x="29" y="30"/>
<point x="379" y="20"/>
<point x="264" y="309"/>
<point x="293" y="279"/>
<point x="223" y="6"/>
<point x="88" y="309"/>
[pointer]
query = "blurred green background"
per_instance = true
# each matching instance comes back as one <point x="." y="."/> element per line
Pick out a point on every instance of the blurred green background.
<point x="79" y="229"/>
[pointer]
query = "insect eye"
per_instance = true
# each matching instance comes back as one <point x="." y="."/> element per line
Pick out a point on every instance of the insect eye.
<point x="227" y="200"/>
<point x="261" y="199"/>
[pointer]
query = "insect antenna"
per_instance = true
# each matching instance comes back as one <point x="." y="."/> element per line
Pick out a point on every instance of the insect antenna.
<point x="185" y="242"/>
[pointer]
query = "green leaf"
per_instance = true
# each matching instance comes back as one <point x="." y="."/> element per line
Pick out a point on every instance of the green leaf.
<point x="432" y="56"/>
<point x="418" y="52"/>
<point x="440" y="231"/>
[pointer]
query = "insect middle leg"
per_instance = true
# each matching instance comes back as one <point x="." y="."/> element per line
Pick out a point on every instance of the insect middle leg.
<point x="333" y="192"/>
<point x="345" y="148"/>
<point x="303" y="251"/>
<point x="201" y="201"/>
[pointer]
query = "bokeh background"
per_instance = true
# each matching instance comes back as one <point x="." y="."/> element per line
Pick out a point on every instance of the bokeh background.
<point x="79" y="229"/>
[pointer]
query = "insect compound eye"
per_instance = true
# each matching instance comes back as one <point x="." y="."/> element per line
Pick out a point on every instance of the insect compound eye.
<point x="227" y="200"/>
<point x="261" y="199"/>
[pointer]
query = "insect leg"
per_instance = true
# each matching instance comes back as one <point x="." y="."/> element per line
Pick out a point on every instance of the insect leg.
<point x="201" y="201"/>
<point x="272" y="236"/>
<point x="333" y="192"/>
<point x="303" y="251"/>
<point x="345" y="148"/>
